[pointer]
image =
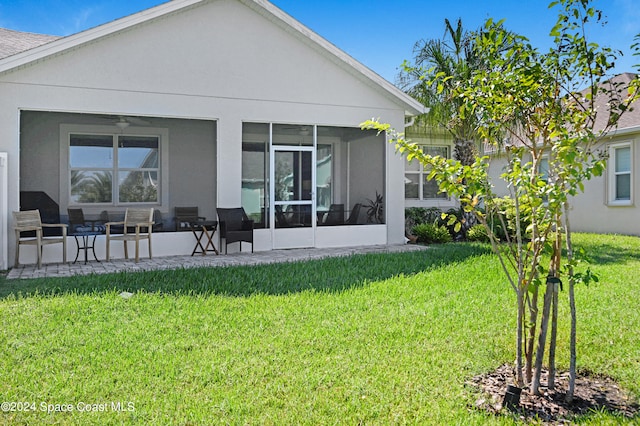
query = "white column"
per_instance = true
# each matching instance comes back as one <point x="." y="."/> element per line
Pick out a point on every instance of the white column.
<point x="229" y="158"/>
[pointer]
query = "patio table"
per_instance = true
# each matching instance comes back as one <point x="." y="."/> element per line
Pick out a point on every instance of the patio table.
<point x="84" y="237"/>
<point x="204" y="230"/>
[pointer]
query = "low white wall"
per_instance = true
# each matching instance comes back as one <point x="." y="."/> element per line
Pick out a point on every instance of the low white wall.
<point x="182" y="243"/>
<point x="347" y="236"/>
<point x="162" y="244"/>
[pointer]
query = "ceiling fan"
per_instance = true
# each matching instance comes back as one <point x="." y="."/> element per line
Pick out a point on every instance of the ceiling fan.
<point x="132" y="120"/>
<point x="301" y="130"/>
<point x="124" y="121"/>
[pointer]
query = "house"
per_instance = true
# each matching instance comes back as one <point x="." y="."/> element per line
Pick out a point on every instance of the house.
<point x="608" y="204"/>
<point x="207" y="103"/>
<point x="420" y="191"/>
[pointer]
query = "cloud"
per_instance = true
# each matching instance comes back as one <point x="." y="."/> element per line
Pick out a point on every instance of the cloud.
<point x="80" y="20"/>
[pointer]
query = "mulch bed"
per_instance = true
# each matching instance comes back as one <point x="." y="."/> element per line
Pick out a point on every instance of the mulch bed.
<point x="592" y="393"/>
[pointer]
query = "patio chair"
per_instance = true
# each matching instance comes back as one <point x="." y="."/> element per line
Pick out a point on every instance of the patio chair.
<point x="235" y="226"/>
<point x="354" y="215"/>
<point x="48" y="208"/>
<point x="285" y="219"/>
<point x="335" y="215"/>
<point x="26" y="221"/>
<point x="184" y="216"/>
<point x="78" y="223"/>
<point x="281" y="220"/>
<point x="137" y="225"/>
<point x="118" y="216"/>
<point x="158" y="221"/>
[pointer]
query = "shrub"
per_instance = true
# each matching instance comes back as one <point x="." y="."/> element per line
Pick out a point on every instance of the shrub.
<point x="478" y="233"/>
<point x="420" y="215"/>
<point x="432" y="234"/>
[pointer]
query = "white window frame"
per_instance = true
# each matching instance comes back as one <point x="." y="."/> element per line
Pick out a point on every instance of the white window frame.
<point x="612" y="173"/>
<point x="422" y="174"/>
<point x="66" y="130"/>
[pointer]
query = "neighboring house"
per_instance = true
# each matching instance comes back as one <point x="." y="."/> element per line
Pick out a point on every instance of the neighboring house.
<point x="608" y="204"/>
<point x="208" y="103"/>
<point x="12" y="42"/>
<point x="419" y="190"/>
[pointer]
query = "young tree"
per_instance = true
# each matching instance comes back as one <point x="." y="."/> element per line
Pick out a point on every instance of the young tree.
<point x="530" y="104"/>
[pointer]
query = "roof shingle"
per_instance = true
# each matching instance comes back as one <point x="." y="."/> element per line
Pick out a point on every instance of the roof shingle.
<point x="12" y="42"/>
<point x="628" y="120"/>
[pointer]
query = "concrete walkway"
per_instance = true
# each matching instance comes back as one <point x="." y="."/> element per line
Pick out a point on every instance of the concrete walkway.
<point x="210" y="260"/>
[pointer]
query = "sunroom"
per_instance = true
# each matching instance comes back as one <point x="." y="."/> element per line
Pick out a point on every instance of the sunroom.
<point x="147" y="112"/>
<point x="306" y="184"/>
<point x="302" y="185"/>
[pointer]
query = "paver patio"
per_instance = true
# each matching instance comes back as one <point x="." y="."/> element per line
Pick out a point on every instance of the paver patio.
<point x="177" y="262"/>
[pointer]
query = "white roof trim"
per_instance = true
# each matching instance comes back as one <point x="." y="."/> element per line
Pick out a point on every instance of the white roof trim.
<point x="623" y="131"/>
<point x="91" y="34"/>
<point x="412" y="107"/>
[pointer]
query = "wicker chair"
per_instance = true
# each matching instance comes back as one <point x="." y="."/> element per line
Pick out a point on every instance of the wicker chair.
<point x="137" y="225"/>
<point x="335" y="216"/>
<point x="355" y="214"/>
<point x="78" y="223"/>
<point x="29" y="221"/>
<point x="184" y="216"/>
<point x="235" y="226"/>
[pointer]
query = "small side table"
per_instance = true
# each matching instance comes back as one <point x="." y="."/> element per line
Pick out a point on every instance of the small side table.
<point x="84" y="237"/>
<point x="204" y="230"/>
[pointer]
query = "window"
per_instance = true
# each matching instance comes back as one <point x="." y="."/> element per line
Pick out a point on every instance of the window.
<point x="543" y="172"/>
<point x="543" y="168"/>
<point x="101" y="167"/>
<point x="281" y="182"/>
<point x="255" y="178"/>
<point x="620" y="172"/>
<point x="417" y="185"/>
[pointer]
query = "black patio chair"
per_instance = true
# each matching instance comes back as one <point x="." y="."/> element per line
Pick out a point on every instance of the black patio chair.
<point x="78" y="223"/>
<point x="184" y="216"/>
<point x="355" y="214"/>
<point x="335" y="215"/>
<point x="235" y="226"/>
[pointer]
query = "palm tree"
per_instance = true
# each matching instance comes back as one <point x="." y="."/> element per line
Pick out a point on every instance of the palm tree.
<point x="440" y="66"/>
<point x="96" y="188"/>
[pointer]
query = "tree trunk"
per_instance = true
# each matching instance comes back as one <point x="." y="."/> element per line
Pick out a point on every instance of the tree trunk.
<point x="554" y="272"/>
<point x="572" y="305"/>
<point x="554" y="333"/>
<point x="542" y="339"/>
<point x="465" y="151"/>
<point x="533" y="321"/>
<point x="520" y="321"/>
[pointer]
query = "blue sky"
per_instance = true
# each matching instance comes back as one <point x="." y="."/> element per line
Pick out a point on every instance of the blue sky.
<point x="378" y="33"/>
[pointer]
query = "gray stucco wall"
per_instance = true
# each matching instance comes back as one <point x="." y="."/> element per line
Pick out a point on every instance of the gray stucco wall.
<point x="191" y="151"/>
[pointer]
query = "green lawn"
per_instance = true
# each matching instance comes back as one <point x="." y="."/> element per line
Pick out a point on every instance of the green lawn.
<point x="370" y="339"/>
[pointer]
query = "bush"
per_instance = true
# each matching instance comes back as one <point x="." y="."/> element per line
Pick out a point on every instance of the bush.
<point x="478" y="233"/>
<point x="419" y="215"/>
<point x="432" y="234"/>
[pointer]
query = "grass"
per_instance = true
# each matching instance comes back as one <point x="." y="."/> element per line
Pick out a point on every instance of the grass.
<point x="370" y="339"/>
